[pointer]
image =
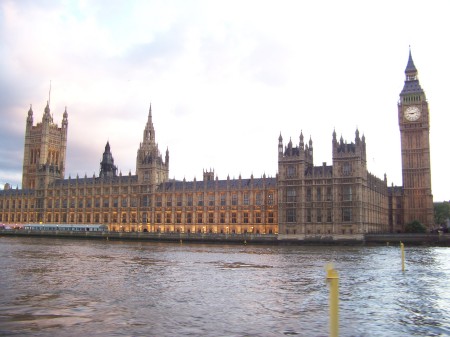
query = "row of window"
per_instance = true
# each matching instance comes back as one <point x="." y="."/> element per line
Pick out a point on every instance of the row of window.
<point x="291" y="194"/>
<point x="160" y="218"/>
<point x="320" y="215"/>
<point x="13" y="204"/>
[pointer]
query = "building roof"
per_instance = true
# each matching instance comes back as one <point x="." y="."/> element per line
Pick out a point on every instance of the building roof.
<point x="221" y="184"/>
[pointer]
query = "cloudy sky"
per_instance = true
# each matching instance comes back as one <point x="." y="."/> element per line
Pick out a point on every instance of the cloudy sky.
<point x="224" y="78"/>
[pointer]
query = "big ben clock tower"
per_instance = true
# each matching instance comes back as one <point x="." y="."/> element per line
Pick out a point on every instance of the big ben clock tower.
<point x="414" y="123"/>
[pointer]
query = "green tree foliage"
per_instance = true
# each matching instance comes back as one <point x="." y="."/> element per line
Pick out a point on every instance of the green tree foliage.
<point x="415" y="227"/>
<point x="441" y="212"/>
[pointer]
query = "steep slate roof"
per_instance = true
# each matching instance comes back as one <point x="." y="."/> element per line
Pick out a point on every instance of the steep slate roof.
<point x="412" y="87"/>
<point x="16" y="192"/>
<point x="318" y="171"/>
<point x="410" y="67"/>
<point x="221" y="184"/>
<point x="395" y="190"/>
<point x="93" y="180"/>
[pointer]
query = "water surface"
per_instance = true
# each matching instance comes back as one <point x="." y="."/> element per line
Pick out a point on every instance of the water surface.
<point x="62" y="287"/>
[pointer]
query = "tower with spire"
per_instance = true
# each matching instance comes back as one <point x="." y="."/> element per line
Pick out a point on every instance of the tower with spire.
<point x="44" y="150"/>
<point x="151" y="169"/>
<point x="414" y="124"/>
<point x="107" y="167"/>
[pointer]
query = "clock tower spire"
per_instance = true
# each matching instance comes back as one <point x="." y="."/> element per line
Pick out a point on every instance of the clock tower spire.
<point x="414" y="124"/>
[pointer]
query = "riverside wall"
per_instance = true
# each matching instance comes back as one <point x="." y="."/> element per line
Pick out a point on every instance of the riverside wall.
<point x="264" y="239"/>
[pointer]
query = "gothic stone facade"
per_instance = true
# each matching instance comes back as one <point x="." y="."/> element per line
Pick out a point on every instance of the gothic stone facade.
<point x="303" y="201"/>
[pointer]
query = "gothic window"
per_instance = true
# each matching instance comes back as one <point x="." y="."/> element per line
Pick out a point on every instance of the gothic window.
<point x="179" y="200"/>
<point x="319" y="215"/>
<point x="308" y="215"/>
<point x="291" y="195"/>
<point x="189" y="217"/>
<point x="347" y="169"/>
<point x="199" y="217"/>
<point x="179" y="217"/>
<point x="223" y="200"/>
<point x="222" y="217"/>
<point x="346" y="214"/>
<point x="329" y="218"/>
<point x="308" y="194"/>
<point x="200" y="199"/>
<point x="258" y="198"/>
<point x="258" y="217"/>
<point x="168" y="217"/>
<point x="290" y="171"/>
<point x="347" y="193"/>
<point x="245" y="217"/>
<point x="211" y="200"/>
<point x="270" y="217"/>
<point x="329" y="194"/>
<point x="106" y="202"/>
<point x="290" y="215"/>
<point x="133" y="202"/>
<point x="233" y="217"/>
<point x="210" y="217"/>
<point x="234" y="199"/>
<point x="319" y="194"/>
<point x="270" y="198"/>
<point x="190" y="200"/>
<point x="158" y="200"/>
<point x="168" y="201"/>
<point x="246" y="199"/>
<point x="124" y="202"/>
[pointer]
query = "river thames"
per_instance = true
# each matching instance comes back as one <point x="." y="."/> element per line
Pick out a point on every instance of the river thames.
<point x="62" y="287"/>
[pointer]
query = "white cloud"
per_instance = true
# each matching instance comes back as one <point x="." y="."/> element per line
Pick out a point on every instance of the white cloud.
<point x="224" y="78"/>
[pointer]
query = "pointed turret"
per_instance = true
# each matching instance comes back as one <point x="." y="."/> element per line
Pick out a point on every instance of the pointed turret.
<point x="65" y="120"/>
<point x="149" y="131"/>
<point x="410" y="71"/>
<point x="107" y="167"/>
<point x="30" y="116"/>
<point x="412" y="85"/>
<point x="150" y="166"/>
<point x="47" y="118"/>
<point x="280" y="146"/>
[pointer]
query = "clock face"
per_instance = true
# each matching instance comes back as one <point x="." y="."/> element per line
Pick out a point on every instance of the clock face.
<point x="412" y="113"/>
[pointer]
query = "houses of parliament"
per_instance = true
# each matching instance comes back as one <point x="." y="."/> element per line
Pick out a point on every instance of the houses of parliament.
<point x="341" y="200"/>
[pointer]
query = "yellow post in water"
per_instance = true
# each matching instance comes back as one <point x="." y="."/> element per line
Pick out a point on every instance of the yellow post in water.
<point x="402" y="248"/>
<point x="333" y="279"/>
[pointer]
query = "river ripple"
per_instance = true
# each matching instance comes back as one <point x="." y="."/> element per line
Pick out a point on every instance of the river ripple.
<point x="60" y="287"/>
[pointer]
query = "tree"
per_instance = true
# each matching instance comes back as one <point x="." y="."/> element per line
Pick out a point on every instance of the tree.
<point x="441" y="212"/>
<point x="415" y="227"/>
